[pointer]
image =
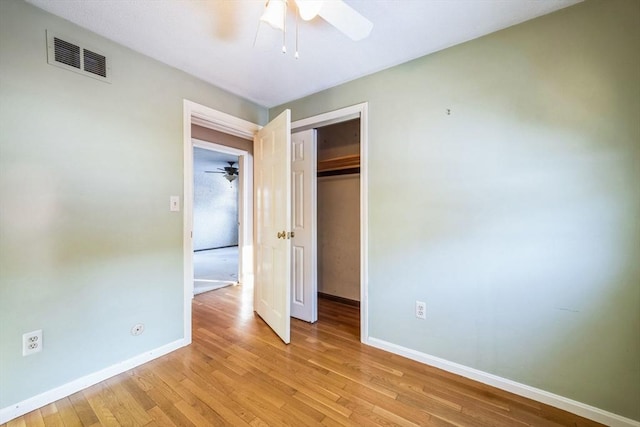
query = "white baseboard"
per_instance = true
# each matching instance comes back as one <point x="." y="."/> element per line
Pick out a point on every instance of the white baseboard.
<point x="43" y="399"/>
<point x="542" y="396"/>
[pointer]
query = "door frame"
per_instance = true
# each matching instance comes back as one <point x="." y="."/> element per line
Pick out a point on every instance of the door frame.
<point x="194" y="113"/>
<point x="208" y="117"/>
<point x="338" y="116"/>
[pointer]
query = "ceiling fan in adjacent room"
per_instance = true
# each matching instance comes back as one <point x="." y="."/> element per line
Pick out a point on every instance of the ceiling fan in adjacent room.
<point x="336" y="12"/>
<point x="230" y="172"/>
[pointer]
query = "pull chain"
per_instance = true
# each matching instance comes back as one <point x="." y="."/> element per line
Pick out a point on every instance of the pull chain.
<point x="284" y="29"/>
<point x="296" y="54"/>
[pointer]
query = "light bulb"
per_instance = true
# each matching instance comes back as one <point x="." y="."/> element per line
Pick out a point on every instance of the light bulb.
<point x="274" y="14"/>
<point x="309" y="9"/>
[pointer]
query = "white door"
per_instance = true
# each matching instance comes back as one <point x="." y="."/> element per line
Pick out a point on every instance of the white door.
<point x="272" y="284"/>
<point x="304" y="259"/>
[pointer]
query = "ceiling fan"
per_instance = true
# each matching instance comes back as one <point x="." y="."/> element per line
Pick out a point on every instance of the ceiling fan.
<point x="230" y="172"/>
<point x="336" y="12"/>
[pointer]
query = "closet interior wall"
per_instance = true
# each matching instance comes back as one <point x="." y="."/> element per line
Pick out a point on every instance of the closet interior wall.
<point x="338" y="192"/>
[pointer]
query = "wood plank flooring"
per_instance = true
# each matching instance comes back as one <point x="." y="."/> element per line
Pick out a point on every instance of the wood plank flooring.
<point x="238" y="373"/>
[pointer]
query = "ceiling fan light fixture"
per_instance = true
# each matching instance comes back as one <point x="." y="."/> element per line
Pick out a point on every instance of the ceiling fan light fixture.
<point x="274" y="14"/>
<point x="230" y="178"/>
<point x="336" y="12"/>
<point x="309" y="9"/>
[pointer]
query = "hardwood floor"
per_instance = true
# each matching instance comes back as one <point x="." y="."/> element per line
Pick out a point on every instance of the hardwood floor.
<point x="238" y="373"/>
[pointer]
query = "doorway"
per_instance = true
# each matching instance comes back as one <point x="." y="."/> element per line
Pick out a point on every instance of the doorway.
<point x="196" y="119"/>
<point x="346" y="160"/>
<point x="198" y="114"/>
<point x="338" y="212"/>
<point x="215" y="220"/>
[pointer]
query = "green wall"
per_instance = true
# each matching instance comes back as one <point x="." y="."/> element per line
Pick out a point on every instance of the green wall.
<point x="88" y="246"/>
<point x="515" y="218"/>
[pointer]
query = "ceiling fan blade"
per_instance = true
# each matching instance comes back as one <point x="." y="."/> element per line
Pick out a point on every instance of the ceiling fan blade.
<point x="213" y="172"/>
<point x="346" y="19"/>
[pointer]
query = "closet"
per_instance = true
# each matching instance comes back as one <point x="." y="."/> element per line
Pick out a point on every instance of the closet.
<point x="338" y="209"/>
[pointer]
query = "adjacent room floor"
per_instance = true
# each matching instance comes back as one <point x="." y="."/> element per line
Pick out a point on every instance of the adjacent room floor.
<point x="214" y="269"/>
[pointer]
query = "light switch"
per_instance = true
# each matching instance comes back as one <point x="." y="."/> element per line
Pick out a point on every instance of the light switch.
<point x="174" y="203"/>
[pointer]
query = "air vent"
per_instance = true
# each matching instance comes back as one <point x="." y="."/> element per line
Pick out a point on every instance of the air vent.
<point x="66" y="53"/>
<point x="95" y="63"/>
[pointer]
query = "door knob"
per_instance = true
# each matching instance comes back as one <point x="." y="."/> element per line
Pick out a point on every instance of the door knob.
<point x="282" y="235"/>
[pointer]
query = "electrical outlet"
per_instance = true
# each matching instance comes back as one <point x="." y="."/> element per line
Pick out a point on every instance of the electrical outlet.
<point x="32" y="342"/>
<point x="421" y="310"/>
<point x="137" y="329"/>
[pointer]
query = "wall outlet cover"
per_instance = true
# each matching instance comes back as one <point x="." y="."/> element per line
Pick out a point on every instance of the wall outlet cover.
<point x="32" y="342"/>
<point x="421" y="310"/>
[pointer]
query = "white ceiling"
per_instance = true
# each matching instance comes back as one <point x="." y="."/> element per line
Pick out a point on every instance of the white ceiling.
<point x="214" y="39"/>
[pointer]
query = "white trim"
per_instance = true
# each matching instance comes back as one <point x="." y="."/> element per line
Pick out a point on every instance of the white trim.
<point x="338" y="116"/>
<point x="330" y="117"/>
<point x="226" y="123"/>
<point x="43" y="399"/>
<point x="217" y="120"/>
<point x="231" y="282"/>
<point x="364" y="222"/>
<point x="524" y="390"/>
<point x="189" y="109"/>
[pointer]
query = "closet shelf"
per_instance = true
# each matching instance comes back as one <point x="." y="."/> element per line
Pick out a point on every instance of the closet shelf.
<point x="339" y="163"/>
